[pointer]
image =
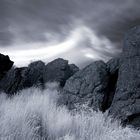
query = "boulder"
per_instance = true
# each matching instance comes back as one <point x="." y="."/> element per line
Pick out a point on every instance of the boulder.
<point x="5" y="64"/>
<point x="19" y="78"/>
<point x="59" y="71"/>
<point x="37" y="74"/>
<point x="11" y="81"/>
<point x="126" y="101"/>
<point x="33" y="75"/>
<point x="87" y="86"/>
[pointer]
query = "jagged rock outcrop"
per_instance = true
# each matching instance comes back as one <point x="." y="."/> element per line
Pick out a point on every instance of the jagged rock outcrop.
<point x="126" y="102"/>
<point x="59" y="71"/>
<point x="37" y="74"/>
<point x="19" y="78"/>
<point x="33" y="75"/>
<point x="89" y="86"/>
<point x="11" y="81"/>
<point x="5" y="64"/>
<point x="113" y="65"/>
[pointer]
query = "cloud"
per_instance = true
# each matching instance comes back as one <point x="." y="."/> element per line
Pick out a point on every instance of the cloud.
<point x="27" y="22"/>
<point x="31" y="20"/>
<point x="81" y="46"/>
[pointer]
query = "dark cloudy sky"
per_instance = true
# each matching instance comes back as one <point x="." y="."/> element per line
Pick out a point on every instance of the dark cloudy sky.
<point x="78" y="30"/>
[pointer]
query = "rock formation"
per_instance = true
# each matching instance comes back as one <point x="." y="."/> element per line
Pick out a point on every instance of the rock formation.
<point x="37" y="74"/>
<point x="89" y="85"/>
<point x="59" y="71"/>
<point x="5" y="64"/>
<point x="113" y="86"/>
<point x="10" y="83"/>
<point x="126" y="102"/>
<point x="19" y="78"/>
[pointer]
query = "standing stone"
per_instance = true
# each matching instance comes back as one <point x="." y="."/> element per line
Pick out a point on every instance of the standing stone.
<point x="126" y="102"/>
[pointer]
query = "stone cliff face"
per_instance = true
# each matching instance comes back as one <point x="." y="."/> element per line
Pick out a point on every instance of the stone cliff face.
<point x="113" y="86"/>
<point x="94" y="85"/>
<point x="126" y="102"/>
<point x="88" y="85"/>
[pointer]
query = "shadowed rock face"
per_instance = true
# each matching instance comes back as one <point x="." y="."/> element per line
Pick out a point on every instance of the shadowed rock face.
<point x="37" y="74"/>
<point x="59" y="71"/>
<point x="94" y="85"/>
<point x="113" y="68"/>
<point x="19" y="78"/>
<point x="33" y="75"/>
<point x="5" y="64"/>
<point x="10" y="83"/>
<point x="126" y="102"/>
<point x="87" y="86"/>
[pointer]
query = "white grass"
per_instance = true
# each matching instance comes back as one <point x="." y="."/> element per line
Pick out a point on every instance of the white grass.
<point x="34" y="115"/>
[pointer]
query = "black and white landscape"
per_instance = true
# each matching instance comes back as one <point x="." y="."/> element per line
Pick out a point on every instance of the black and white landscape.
<point x="69" y="70"/>
<point x="59" y="101"/>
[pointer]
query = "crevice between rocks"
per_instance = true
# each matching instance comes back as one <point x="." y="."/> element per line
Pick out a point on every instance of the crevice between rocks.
<point x="110" y="90"/>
